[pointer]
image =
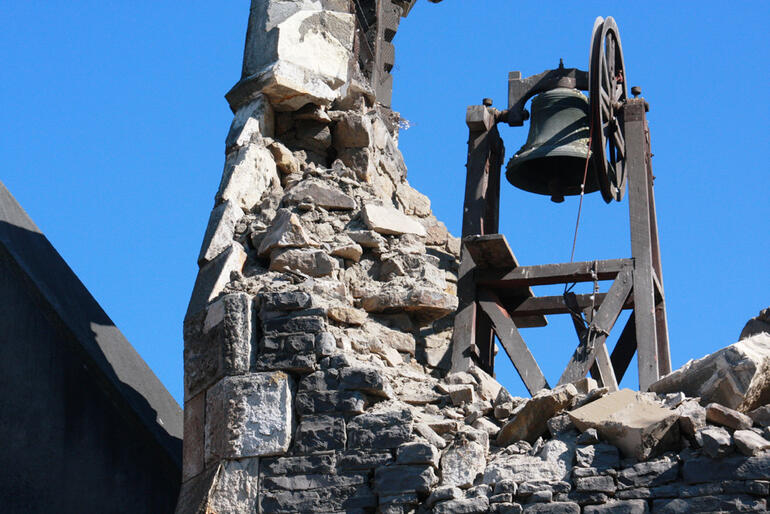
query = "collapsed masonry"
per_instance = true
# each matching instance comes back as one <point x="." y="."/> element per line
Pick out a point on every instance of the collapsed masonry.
<point x="317" y="337"/>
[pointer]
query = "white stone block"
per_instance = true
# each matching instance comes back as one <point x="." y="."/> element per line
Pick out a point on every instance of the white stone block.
<point x="253" y="119"/>
<point x="249" y="416"/>
<point x="219" y="232"/>
<point x="248" y="173"/>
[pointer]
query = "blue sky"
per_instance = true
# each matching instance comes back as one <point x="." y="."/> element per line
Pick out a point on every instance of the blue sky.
<point x="113" y="126"/>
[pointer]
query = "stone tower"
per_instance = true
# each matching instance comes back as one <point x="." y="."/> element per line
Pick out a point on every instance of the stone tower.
<point x="316" y="341"/>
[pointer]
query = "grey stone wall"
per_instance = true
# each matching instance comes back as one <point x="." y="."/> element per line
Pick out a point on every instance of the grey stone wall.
<point x="317" y="336"/>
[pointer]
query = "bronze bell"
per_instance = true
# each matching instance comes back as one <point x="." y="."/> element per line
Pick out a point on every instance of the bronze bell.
<point x="552" y="161"/>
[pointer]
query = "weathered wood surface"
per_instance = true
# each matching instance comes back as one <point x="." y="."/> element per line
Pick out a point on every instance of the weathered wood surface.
<point x="585" y="355"/>
<point x="545" y="274"/>
<point x="512" y="342"/>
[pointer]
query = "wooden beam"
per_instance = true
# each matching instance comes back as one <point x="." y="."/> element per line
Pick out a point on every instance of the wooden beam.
<point x="545" y="305"/>
<point x="512" y="342"/>
<point x="524" y="276"/>
<point x="624" y="349"/>
<point x="605" y="318"/>
<point x="636" y="157"/>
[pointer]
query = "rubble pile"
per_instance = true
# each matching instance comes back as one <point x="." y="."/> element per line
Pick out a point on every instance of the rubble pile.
<point x="317" y="337"/>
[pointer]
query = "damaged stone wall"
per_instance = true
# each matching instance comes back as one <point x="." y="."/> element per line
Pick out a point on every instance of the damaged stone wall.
<point x="317" y="336"/>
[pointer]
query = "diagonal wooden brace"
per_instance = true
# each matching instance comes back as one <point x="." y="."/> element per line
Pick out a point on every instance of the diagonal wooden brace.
<point x="512" y="342"/>
<point x="585" y="355"/>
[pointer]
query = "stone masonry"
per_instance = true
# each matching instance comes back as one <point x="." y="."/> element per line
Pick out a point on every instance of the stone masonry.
<point x="317" y="337"/>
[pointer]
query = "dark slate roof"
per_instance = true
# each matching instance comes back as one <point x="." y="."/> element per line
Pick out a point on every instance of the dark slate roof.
<point x="130" y="378"/>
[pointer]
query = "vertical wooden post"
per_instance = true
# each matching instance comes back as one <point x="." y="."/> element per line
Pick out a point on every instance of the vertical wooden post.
<point x="473" y="336"/>
<point x="636" y="159"/>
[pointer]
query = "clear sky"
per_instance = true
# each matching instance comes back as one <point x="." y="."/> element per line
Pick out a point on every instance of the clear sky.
<point x="113" y="125"/>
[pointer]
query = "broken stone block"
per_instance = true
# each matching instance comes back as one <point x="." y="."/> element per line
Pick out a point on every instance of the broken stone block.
<point x="412" y="201"/>
<point x="295" y="54"/>
<point x="249" y="416"/>
<point x="321" y="194"/>
<point x="711" y="503"/>
<point x="425" y="303"/>
<point x="387" y="220"/>
<point x="461" y="393"/>
<point x="750" y="443"/>
<point x="286" y="231"/>
<point x="721" y="415"/>
<point x="362" y="161"/>
<point x="368" y="380"/>
<point x="716" y="441"/>
<point x="692" y="417"/>
<point x="418" y="453"/>
<point x="314" y="263"/>
<point x="531" y="421"/>
<point x="219" y="232"/>
<point x="381" y="430"/>
<point x="761" y="415"/>
<point x="599" y="456"/>
<point x="285" y="160"/>
<point x="320" y="434"/>
<point x="648" y="474"/>
<point x="343" y="246"/>
<point x="443" y="493"/>
<point x="347" y="315"/>
<point x="395" y="479"/>
<point x="217" y="342"/>
<point x="553" y="508"/>
<point x="757" y="325"/>
<point x="236" y="487"/>
<point x="461" y="463"/>
<point x="476" y="505"/>
<point x="521" y="468"/>
<point x="353" y="130"/>
<point x="737" y="377"/>
<point x="252" y="120"/>
<point x="214" y="276"/>
<point x="637" y="426"/>
<point x="248" y="173"/>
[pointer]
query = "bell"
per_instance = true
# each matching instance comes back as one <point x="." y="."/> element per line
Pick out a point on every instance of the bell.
<point x="553" y="160"/>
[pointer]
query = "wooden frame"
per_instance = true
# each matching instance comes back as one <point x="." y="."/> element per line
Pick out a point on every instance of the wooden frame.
<point x="495" y="295"/>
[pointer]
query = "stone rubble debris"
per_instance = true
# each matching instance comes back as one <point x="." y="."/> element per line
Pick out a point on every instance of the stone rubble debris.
<point x="317" y="339"/>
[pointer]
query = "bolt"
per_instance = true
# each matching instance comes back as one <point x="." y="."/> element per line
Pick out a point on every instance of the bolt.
<point x="636" y="91"/>
<point x="487" y="102"/>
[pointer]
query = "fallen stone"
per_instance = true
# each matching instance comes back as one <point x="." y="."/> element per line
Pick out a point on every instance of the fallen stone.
<point x="461" y="463"/>
<point x="314" y="263"/>
<point x="737" y="377"/>
<point x="485" y="425"/>
<point x="285" y="160"/>
<point x="757" y="325"/>
<point x="286" y="231"/>
<point x="761" y="416"/>
<point x="321" y="194"/>
<point x="430" y="435"/>
<point x="721" y="415"/>
<point x="347" y="315"/>
<point x="590" y="436"/>
<point x="750" y="443"/>
<point x="368" y="380"/>
<point x="249" y="416"/>
<point x="560" y="454"/>
<point x="530" y="422"/>
<point x="638" y="427"/>
<point x="353" y="130"/>
<point x="461" y="394"/>
<point x="560" y="423"/>
<point x="692" y="417"/>
<point x="387" y="220"/>
<point x="488" y="388"/>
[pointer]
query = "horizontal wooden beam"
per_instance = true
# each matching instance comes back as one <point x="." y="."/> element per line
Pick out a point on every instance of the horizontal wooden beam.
<point x="545" y="305"/>
<point x="544" y="274"/>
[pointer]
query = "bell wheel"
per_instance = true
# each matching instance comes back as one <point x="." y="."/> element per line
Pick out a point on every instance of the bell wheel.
<point x="608" y="91"/>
